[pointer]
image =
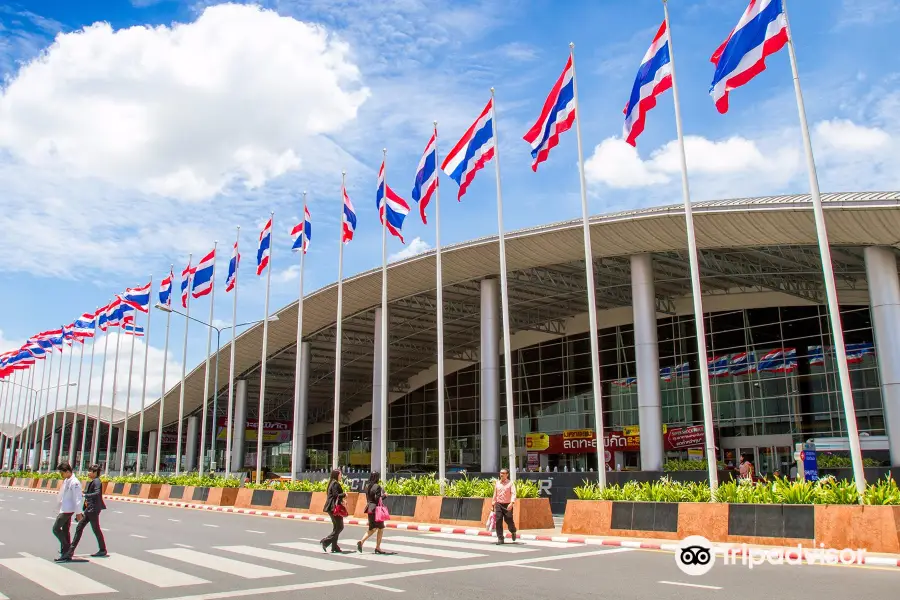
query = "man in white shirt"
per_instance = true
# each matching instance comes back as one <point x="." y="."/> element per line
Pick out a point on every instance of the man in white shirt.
<point x="70" y="502"/>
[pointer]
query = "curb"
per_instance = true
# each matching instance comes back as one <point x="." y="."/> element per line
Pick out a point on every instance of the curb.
<point x="735" y="550"/>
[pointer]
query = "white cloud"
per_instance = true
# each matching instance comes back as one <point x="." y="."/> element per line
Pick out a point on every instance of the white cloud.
<point x="618" y="165"/>
<point x="8" y="343"/>
<point x="292" y="273"/>
<point x="845" y="136"/>
<point x="416" y="246"/>
<point x="236" y="97"/>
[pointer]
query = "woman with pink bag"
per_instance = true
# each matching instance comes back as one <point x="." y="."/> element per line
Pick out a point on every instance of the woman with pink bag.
<point x="376" y="511"/>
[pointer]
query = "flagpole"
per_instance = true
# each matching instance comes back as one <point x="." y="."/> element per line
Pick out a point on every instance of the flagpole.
<point x="228" y="425"/>
<point x="53" y="422"/>
<point x="212" y="304"/>
<point x="265" y="343"/>
<point x="128" y="402"/>
<point x="137" y="468"/>
<point x="65" y="417"/>
<point x="87" y="399"/>
<point x="112" y="402"/>
<point x="442" y="426"/>
<point x="834" y="311"/>
<point x="504" y="291"/>
<point x="187" y="321"/>
<point x="335" y="443"/>
<point x="95" y="441"/>
<point x="33" y="408"/>
<point x="591" y="290"/>
<point x="162" y="394"/>
<point x="6" y="405"/>
<point x="297" y="459"/>
<point x="382" y="419"/>
<point x="696" y="290"/>
<point x="23" y="411"/>
<point x="75" y="410"/>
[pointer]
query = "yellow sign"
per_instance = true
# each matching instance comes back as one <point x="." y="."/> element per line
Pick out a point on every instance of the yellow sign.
<point x="631" y="430"/>
<point x="396" y="458"/>
<point x="578" y="434"/>
<point x="536" y="442"/>
<point x="360" y="458"/>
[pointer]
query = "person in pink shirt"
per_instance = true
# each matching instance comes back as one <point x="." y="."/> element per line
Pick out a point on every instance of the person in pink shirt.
<point x="502" y="505"/>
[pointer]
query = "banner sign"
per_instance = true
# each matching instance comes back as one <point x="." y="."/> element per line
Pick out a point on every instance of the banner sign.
<point x="274" y="432"/>
<point x="628" y="439"/>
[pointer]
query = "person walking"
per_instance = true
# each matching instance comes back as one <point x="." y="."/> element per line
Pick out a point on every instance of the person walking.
<point x="93" y="504"/>
<point x="374" y="495"/>
<point x="502" y="504"/>
<point x="70" y="500"/>
<point x="334" y="506"/>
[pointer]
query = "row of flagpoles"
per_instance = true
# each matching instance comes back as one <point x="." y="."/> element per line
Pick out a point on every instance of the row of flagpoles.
<point x="762" y="30"/>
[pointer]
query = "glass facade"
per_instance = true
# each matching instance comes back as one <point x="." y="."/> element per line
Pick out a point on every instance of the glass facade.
<point x="772" y="374"/>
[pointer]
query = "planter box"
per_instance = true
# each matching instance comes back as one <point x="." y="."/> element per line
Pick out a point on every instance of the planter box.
<point x="875" y="528"/>
<point x="529" y="513"/>
<point x="27" y="483"/>
<point x="7" y="481"/>
<point x="147" y="491"/>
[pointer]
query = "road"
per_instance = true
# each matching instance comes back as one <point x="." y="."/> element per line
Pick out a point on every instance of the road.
<point x="161" y="553"/>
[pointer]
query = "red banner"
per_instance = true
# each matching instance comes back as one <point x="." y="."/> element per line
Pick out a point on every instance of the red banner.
<point x="585" y="441"/>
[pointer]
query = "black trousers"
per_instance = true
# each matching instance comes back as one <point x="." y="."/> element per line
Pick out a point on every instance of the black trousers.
<point x="502" y="512"/>
<point x="337" y="526"/>
<point x="94" y="519"/>
<point x="61" y="531"/>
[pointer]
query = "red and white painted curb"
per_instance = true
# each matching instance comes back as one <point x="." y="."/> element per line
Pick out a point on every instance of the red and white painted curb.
<point x="734" y="550"/>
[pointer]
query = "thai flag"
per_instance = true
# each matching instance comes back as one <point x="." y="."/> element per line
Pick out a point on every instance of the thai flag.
<point x="718" y="366"/>
<point x="265" y="248"/>
<point x="762" y="31"/>
<point x="473" y="151"/>
<point x="35" y="350"/>
<point x="45" y="335"/>
<point x="231" y="279"/>
<point x="138" y="298"/>
<point x="186" y="276"/>
<point x="683" y="370"/>
<point x="666" y="374"/>
<point x="426" y="176"/>
<point x="48" y="339"/>
<point x="781" y="360"/>
<point x="118" y="313"/>
<point x="21" y="360"/>
<point x="556" y="117"/>
<point x="203" y="275"/>
<point x="165" y="289"/>
<point x="102" y="319"/>
<point x="348" y="219"/>
<point x="653" y="78"/>
<point x="302" y="232"/>
<point x="857" y="352"/>
<point x="743" y="363"/>
<point x="132" y="329"/>
<point x="68" y="333"/>
<point x="625" y="383"/>
<point x="84" y="326"/>
<point x="816" y="355"/>
<point x="386" y="200"/>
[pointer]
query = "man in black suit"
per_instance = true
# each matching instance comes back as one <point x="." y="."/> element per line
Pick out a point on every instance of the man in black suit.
<point x="93" y="504"/>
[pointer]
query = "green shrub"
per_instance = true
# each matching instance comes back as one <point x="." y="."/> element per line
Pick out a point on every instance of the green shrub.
<point x="526" y="488"/>
<point x="688" y="465"/>
<point x="471" y="488"/>
<point x="300" y="485"/>
<point x="882" y="492"/>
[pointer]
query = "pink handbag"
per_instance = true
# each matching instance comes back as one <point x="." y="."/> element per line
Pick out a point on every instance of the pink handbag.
<point x="381" y="512"/>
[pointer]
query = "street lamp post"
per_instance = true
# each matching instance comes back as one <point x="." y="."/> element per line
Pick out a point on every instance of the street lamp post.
<point x="218" y="331"/>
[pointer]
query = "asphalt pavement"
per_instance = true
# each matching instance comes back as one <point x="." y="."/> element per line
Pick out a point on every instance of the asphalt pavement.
<point x="162" y="553"/>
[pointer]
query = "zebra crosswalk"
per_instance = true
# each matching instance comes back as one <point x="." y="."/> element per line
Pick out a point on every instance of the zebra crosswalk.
<point x="193" y="568"/>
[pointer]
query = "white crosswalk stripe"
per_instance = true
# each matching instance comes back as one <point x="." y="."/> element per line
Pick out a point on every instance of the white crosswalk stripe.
<point x="390" y="546"/>
<point x="391" y="559"/>
<point x="219" y="563"/>
<point x="47" y="575"/>
<point x="289" y="558"/>
<point x="147" y="572"/>
<point x="485" y="540"/>
<point x="461" y="545"/>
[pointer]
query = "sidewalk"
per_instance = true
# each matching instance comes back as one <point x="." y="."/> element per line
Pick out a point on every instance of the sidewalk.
<point x="541" y="535"/>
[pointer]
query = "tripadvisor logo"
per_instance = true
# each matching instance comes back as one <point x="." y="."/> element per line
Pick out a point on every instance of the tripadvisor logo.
<point x="695" y="555"/>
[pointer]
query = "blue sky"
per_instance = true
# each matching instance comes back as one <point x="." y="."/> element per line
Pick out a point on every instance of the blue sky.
<point x="133" y="133"/>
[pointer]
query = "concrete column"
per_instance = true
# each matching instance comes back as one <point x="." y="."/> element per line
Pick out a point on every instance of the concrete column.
<point x="240" y="425"/>
<point x="375" y="459"/>
<point x="884" y="297"/>
<point x="190" y="445"/>
<point x="54" y="450"/>
<point x="646" y="350"/>
<point x="35" y="454"/>
<point x="151" y="451"/>
<point x="121" y="437"/>
<point x="301" y="408"/>
<point x="490" y="375"/>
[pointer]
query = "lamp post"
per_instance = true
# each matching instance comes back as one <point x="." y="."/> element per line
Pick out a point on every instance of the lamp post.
<point x="218" y="331"/>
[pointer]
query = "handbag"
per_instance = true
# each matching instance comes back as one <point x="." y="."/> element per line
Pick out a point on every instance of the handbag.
<point x="340" y="511"/>
<point x="381" y="512"/>
<point x="491" y="524"/>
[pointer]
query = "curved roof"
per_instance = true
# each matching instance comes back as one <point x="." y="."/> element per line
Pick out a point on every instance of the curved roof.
<point x="722" y="226"/>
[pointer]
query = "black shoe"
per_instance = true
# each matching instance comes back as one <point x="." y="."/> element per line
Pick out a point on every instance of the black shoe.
<point x="100" y="554"/>
<point x="337" y="550"/>
<point x="63" y="558"/>
<point x="380" y="551"/>
<point x="513" y="534"/>
<point x="500" y="542"/>
<point x="324" y="546"/>
<point x="359" y="547"/>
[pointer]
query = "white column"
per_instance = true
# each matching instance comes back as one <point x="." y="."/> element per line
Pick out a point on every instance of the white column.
<point x="646" y="350"/>
<point x="884" y="297"/>
<point x="490" y="376"/>
<point x="302" y="409"/>
<point x="190" y="444"/>
<point x="120" y="446"/>
<point x="240" y="426"/>
<point x="376" y="393"/>
<point x="152" y="459"/>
